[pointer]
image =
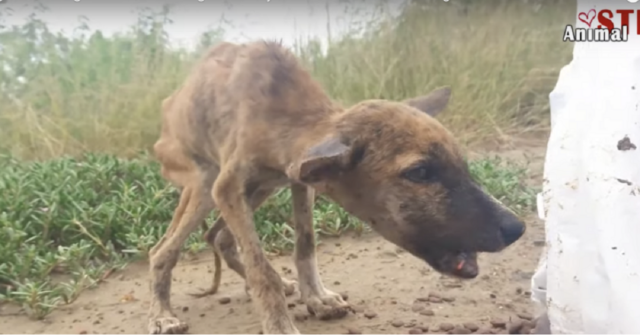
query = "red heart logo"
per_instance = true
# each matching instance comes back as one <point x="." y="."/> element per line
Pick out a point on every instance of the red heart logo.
<point x="586" y="17"/>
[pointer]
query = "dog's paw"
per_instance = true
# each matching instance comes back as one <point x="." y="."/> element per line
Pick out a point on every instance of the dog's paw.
<point x="167" y="325"/>
<point x="327" y="305"/>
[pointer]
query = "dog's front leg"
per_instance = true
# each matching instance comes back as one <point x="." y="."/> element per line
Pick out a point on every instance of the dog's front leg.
<point x="265" y="283"/>
<point x="320" y="301"/>
<point x="175" y="221"/>
<point x="195" y="205"/>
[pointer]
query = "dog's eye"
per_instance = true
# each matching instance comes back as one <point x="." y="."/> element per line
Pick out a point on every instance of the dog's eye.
<point x="420" y="174"/>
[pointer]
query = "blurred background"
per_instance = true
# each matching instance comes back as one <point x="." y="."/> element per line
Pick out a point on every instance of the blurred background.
<point x="89" y="76"/>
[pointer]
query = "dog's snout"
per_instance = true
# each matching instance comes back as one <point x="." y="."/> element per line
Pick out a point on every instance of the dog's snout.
<point x="511" y="229"/>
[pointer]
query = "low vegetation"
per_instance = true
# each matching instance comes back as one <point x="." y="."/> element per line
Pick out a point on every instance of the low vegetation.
<point x="65" y="223"/>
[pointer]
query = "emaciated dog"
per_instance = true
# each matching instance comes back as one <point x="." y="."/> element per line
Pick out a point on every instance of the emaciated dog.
<point x="250" y="119"/>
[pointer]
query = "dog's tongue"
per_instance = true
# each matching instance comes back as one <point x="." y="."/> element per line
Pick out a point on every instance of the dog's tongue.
<point x="467" y="265"/>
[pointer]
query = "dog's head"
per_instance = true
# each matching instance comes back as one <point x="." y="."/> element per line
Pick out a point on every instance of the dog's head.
<point x="394" y="166"/>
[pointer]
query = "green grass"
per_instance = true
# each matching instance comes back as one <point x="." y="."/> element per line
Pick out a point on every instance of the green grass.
<point x="78" y="199"/>
<point x="82" y="217"/>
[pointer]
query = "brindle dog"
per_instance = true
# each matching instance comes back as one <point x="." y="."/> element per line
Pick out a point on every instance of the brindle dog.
<point x="250" y="119"/>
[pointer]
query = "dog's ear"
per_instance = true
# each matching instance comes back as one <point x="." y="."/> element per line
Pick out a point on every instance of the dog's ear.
<point x="432" y="103"/>
<point x="325" y="159"/>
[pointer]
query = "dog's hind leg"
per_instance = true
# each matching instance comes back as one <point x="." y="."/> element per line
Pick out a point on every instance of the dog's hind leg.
<point x="320" y="301"/>
<point x="198" y="205"/>
<point x="220" y="238"/>
<point x="226" y="246"/>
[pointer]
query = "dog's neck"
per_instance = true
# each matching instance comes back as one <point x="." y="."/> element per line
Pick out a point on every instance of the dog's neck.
<point x="314" y="132"/>
<point x="318" y="126"/>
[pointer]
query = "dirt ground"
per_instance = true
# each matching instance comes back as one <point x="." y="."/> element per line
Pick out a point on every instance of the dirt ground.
<point x="391" y="291"/>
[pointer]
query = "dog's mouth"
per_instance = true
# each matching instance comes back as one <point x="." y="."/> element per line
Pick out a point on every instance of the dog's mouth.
<point x="462" y="264"/>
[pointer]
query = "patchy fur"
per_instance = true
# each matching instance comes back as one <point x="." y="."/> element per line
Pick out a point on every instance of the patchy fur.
<point x="250" y="119"/>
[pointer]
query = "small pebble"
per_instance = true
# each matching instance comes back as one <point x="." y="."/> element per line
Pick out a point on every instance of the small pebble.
<point x="435" y="300"/>
<point x="417" y="308"/>
<point x="460" y="330"/>
<point x="353" y="331"/>
<point x="370" y="315"/>
<point x="445" y="327"/>
<point x="410" y="324"/>
<point x="498" y="322"/>
<point x="433" y="294"/>
<point x="224" y="300"/>
<point x="345" y="296"/>
<point x="448" y="299"/>
<point x="397" y="323"/>
<point x="427" y="312"/>
<point x="416" y="331"/>
<point x="471" y="326"/>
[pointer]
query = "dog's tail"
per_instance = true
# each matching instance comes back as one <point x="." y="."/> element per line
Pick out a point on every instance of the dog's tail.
<point x="210" y="237"/>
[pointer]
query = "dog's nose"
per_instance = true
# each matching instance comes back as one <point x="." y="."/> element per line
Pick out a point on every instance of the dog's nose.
<point x="511" y="229"/>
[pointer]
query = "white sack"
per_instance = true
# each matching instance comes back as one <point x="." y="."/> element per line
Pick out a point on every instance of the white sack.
<point x="589" y="276"/>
